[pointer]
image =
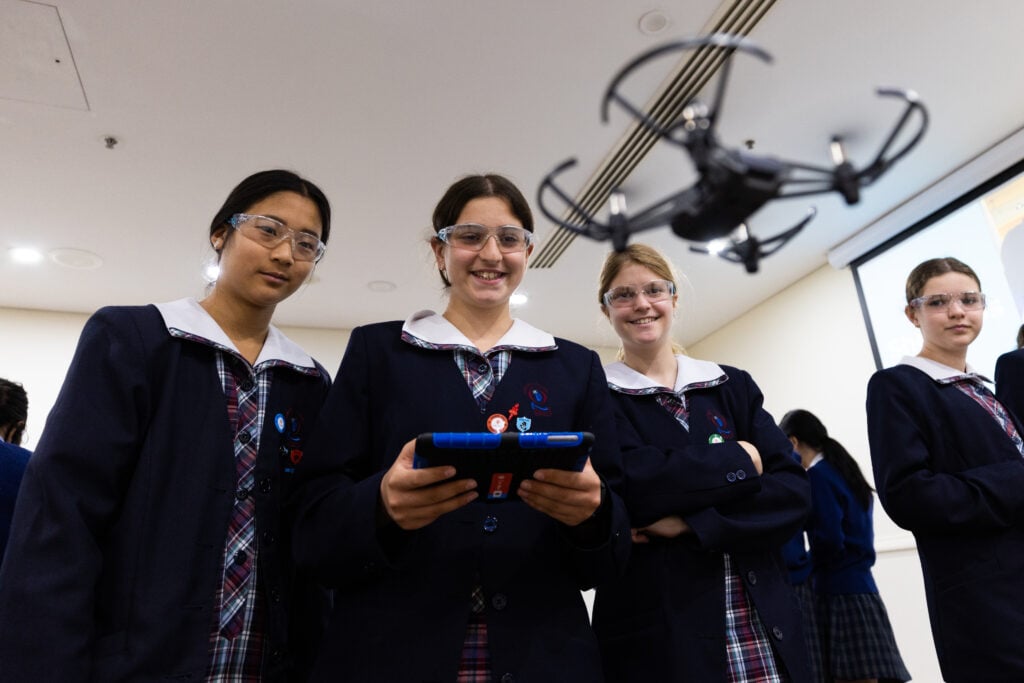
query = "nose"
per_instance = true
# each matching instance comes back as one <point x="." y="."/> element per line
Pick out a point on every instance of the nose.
<point x="285" y="250"/>
<point x="490" y="249"/>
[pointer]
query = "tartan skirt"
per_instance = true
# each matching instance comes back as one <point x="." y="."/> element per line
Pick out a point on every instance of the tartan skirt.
<point x="857" y="639"/>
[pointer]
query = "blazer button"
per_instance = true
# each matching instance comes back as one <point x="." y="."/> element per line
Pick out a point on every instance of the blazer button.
<point x="741" y="474"/>
<point x="490" y="524"/>
<point x="777" y="632"/>
<point x="242" y="493"/>
<point x="499" y="601"/>
<point x="265" y="485"/>
<point x="752" y="577"/>
<point x="244" y="438"/>
<point x="275" y="595"/>
<point x="247" y="386"/>
<point x="240" y="557"/>
<point x="730" y="477"/>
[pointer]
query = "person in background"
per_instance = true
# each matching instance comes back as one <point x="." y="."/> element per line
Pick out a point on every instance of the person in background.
<point x="13" y="458"/>
<point x="948" y="465"/>
<point x="857" y="640"/>
<point x="431" y="581"/>
<point x="151" y="539"/>
<point x="713" y="492"/>
<point x="1010" y="378"/>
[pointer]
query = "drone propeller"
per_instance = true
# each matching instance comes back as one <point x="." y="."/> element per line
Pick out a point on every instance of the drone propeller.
<point x="733" y="184"/>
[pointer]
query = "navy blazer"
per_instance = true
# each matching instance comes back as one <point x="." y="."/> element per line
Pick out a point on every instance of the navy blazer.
<point x="118" y="538"/>
<point x="402" y="598"/>
<point x="946" y="471"/>
<point x="665" y="621"/>
<point x="1010" y="382"/>
<point x="13" y="460"/>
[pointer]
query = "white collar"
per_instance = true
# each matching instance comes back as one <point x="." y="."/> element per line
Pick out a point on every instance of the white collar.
<point x="943" y="374"/>
<point x="815" y="460"/>
<point x="436" y="330"/>
<point x="188" y="317"/>
<point x="690" y="373"/>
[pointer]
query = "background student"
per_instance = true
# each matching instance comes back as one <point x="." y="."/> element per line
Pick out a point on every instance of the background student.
<point x="13" y="458"/>
<point x="1010" y="378"/>
<point x="149" y="539"/>
<point x="857" y="641"/>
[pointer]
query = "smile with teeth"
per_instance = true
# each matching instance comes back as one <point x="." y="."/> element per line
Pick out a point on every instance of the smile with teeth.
<point x="642" y="321"/>
<point x="487" y="274"/>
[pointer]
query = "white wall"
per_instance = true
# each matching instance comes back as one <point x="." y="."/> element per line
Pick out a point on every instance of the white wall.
<point x="807" y="347"/>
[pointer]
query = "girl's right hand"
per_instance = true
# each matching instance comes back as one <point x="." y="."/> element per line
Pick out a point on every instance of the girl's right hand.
<point x="414" y="498"/>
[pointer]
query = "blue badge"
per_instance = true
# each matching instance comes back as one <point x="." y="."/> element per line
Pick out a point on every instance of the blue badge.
<point x="523" y="424"/>
<point x="279" y="423"/>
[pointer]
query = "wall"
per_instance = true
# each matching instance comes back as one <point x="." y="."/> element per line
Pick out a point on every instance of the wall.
<point x="807" y="347"/>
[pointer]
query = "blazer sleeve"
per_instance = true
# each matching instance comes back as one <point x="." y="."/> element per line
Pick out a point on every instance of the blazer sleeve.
<point x="1010" y="383"/>
<point x="601" y="554"/>
<point x="659" y="482"/>
<point x="825" y="527"/>
<point x="774" y="514"/>
<point x="69" y="497"/>
<point x="338" y="536"/>
<point x="915" y="495"/>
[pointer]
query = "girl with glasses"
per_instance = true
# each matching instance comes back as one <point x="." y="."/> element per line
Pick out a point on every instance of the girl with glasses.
<point x="949" y="466"/>
<point x="712" y="492"/>
<point x="431" y="582"/>
<point x="151" y="539"/>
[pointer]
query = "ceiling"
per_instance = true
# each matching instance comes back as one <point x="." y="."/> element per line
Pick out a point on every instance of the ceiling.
<point x="384" y="104"/>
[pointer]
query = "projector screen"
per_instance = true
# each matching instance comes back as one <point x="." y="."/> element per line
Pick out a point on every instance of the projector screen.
<point x="984" y="228"/>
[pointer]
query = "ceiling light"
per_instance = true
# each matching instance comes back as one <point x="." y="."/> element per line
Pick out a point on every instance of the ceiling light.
<point x="25" y="255"/>
<point x="653" y="22"/>
<point x="381" y="286"/>
<point x="76" y="259"/>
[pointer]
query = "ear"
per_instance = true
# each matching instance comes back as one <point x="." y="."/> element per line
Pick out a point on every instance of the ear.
<point x="438" y="248"/>
<point x="217" y="239"/>
<point x="793" y="440"/>
<point x="911" y="314"/>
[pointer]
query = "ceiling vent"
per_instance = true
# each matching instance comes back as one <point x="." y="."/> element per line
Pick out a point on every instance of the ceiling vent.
<point x="738" y="17"/>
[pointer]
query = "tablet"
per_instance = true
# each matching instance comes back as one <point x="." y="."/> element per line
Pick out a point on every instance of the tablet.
<point x="499" y="462"/>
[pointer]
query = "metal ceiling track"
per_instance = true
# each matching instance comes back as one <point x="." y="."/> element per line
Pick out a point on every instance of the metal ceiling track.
<point x="737" y="17"/>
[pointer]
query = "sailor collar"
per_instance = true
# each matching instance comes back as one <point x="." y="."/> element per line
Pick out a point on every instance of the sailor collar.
<point x="432" y="330"/>
<point x="690" y="374"/>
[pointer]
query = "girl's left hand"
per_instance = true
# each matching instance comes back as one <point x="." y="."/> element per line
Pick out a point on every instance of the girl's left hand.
<point x="570" y="497"/>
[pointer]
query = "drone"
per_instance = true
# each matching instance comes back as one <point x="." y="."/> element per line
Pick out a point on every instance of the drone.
<point x="733" y="184"/>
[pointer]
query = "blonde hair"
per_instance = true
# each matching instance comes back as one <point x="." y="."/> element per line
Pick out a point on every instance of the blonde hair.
<point x="642" y="255"/>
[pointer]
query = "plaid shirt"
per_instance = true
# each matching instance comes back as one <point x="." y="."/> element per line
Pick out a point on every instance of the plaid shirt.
<point x="239" y="659"/>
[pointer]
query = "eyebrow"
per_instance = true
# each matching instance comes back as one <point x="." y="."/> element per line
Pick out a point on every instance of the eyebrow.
<point x="308" y="231"/>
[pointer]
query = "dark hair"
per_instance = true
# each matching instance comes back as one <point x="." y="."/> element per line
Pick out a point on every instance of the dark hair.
<point x="13" y="409"/>
<point x="1020" y="337"/>
<point x="803" y="425"/>
<point x="259" y="186"/>
<point x="926" y="270"/>
<point x="471" y="187"/>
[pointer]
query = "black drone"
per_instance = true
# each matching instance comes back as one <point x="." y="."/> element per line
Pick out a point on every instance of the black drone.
<point x="733" y="184"/>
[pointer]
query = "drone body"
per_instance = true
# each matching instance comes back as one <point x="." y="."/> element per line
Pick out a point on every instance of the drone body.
<point x="733" y="185"/>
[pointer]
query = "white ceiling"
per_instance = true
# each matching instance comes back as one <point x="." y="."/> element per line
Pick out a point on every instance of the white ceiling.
<point x="384" y="104"/>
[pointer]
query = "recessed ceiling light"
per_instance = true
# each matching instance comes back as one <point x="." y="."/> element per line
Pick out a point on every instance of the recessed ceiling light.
<point x="78" y="259"/>
<point x="381" y="286"/>
<point x="653" y="22"/>
<point x="25" y="255"/>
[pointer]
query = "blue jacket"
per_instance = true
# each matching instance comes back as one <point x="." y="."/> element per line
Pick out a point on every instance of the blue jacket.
<point x="118" y="538"/>
<point x="665" y="621"/>
<point x="402" y="599"/>
<point x="13" y="460"/>
<point x="946" y="471"/>
<point x="1010" y="382"/>
<point x="841" y="535"/>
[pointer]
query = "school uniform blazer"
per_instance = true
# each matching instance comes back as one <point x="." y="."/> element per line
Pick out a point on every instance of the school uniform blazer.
<point x="402" y="598"/>
<point x="946" y="471"/>
<point x="115" y="555"/>
<point x="841" y="535"/>
<point x="665" y="621"/>
<point x="13" y="460"/>
<point x="1010" y="382"/>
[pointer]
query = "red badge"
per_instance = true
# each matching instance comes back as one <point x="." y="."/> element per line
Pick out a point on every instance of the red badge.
<point x="497" y="423"/>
